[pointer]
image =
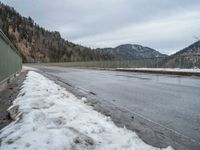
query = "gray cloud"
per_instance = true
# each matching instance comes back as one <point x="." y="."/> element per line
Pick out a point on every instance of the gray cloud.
<point x="162" y="24"/>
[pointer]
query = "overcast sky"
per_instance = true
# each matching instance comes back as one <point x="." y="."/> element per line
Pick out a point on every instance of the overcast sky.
<point x="165" y="25"/>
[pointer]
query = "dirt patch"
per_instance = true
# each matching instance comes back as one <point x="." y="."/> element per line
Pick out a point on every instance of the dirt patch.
<point x="7" y="96"/>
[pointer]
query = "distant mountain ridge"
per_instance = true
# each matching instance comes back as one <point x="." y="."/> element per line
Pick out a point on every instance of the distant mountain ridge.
<point x="193" y="49"/>
<point x="132" y="51"/>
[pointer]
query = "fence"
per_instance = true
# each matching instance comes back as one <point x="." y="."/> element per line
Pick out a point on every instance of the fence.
<point x="112" y="63"/>
<point x="10" y="60"/>
<point x="160" y="62"/>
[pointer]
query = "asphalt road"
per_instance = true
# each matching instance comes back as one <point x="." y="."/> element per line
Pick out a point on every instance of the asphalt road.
<point x="171" y="101"/>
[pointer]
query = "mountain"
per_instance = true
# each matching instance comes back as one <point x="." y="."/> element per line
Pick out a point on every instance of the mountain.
<point x="132" y="51"/>
<point x="39" y="45"/>
<point x="185" y="58"/>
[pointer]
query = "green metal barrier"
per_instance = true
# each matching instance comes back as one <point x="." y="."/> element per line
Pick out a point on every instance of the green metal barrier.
<point x="10" y="59"/>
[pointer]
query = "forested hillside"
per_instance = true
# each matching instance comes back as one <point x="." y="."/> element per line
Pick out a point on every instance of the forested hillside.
<point x="132" y="51"/>
<point x="37" y="44"/>
<point x="188" y="57"/>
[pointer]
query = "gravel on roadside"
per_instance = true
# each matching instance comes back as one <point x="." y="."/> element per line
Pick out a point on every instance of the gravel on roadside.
<point x="8" y="95"/>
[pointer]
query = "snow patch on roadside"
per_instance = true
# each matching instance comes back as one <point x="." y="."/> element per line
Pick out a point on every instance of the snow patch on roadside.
<point x="25" y="68"/>
<point x="52" y="118"/>
<point x="195" y="70"/>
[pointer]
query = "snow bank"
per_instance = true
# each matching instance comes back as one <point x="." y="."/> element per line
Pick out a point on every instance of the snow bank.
<point x="195" y="70"/>
<point x="25" y="67"/>
<point x="54" y="119"/>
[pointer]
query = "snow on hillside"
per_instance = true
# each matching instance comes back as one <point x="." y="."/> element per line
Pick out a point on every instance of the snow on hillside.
<point x="51" y="118"/>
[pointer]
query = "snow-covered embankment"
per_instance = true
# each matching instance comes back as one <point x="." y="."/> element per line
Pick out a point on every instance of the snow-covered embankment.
<point x="52" y="118"/>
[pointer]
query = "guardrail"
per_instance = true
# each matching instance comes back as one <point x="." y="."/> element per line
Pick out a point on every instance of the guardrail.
<point x="10" y="59"/>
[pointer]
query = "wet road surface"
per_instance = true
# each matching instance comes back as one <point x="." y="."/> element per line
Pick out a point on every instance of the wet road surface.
<point x="171" y="101"/>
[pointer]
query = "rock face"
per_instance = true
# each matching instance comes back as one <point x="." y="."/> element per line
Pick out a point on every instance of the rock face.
<point x="132" y="51"/>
